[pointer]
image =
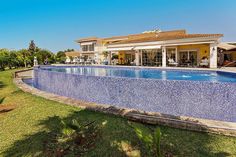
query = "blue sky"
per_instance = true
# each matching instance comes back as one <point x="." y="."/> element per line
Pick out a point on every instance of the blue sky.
<point x="55" y="24"/>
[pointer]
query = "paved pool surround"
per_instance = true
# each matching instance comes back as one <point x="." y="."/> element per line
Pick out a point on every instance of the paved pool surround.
<point x="200" y="99"/>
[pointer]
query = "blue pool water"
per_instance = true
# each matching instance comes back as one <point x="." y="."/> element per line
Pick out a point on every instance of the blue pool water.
<point x="212" y="76"/>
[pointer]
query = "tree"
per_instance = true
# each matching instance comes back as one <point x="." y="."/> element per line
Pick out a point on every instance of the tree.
<point x="105" y="54"/>
<point x="114" y="56"/>
<point x="32" y="47"/>
<point x="60" y="57"/>
<point x="69" y="50"/>
<point x="4" y="55"/>
<point x="32" y="50"/>
<point x="24" y="57"/>
<point x="12" y="60"/>
<point x="43" y="55"/>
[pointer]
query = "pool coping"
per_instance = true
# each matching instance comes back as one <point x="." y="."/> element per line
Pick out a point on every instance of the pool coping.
<point x="45" y="67"/>
<point x="182" y="122"/>
<point x="222" y="69"/>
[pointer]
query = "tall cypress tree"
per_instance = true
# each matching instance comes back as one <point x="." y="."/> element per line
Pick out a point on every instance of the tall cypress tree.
<point x="32" y="47"/>
<point x="32" y="50"/>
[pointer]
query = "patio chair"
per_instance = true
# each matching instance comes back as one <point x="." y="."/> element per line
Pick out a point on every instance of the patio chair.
<point x="229" y="64"/>
<point x="114" y="62"/>
<point x="171" y="62"/>
<point x="68" y="61"/>
<point x="81" y="61"/>
<point x="204" y="63"/>
<point x="88" y="62"/>
<point x="75" y="61"/>
<point x="133" y="63"/>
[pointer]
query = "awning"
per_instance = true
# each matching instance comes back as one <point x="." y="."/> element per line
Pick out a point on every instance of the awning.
<point x="226" y="46"/>
<point x="87" y="53"/>
<point x="147" y="47"/>
<point x="120" y="49"/>
<point x="86" y="43"/>
<point x="134" y="48"/>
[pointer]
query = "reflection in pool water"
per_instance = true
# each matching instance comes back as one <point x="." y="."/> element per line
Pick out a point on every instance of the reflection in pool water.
<point x="191" y="75"/>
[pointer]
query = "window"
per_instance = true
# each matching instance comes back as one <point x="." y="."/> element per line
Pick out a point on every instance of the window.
<point x="152" y="58"/>
<point x="91" y="47"/>
<point x="85" y="48"/>
<point x="88" y="47"/>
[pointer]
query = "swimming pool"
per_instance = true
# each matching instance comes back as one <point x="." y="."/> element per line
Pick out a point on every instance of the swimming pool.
<point x="164" y="74"/>
<point x="201" y="94"/>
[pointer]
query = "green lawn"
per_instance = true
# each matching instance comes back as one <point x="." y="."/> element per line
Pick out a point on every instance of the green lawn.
<point x="24" y="129"/>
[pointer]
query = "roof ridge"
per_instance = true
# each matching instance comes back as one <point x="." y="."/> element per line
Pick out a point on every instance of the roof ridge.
<point x="168" y="37"/>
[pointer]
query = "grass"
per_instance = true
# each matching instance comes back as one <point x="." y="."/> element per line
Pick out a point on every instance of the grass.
<point x="24" y="129"/>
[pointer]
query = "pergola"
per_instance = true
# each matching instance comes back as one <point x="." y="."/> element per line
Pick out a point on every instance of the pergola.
<point x="226" y="49"/>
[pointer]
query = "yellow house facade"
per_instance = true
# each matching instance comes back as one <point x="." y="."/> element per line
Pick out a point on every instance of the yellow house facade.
<point x="155" y="48"/>
<point x="199" y="51"/>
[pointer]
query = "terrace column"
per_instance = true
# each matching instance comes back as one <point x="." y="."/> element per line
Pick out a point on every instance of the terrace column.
<point x="109" y="58"/>
<point x="141" y="57"/>
<point x="163" y="56"/>
<point x="213" y="55"/>
<point x="137" y="58"/>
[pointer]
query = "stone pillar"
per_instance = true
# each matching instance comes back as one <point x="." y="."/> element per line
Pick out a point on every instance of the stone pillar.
<point x="141" y="57"/>
<point x="163" y="56"/>
<point x="96" y="57"/>
<point x="213" y="55"/>
<point x="109" y="58"/>
<point x="137" y="58"/>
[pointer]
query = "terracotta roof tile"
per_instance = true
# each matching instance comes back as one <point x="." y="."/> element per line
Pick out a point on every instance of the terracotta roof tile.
<point x="73" y="54"/>
<point x="87" y="39"/>
<point x="163" y="36"/>
<point x="141" y="35"/>
<point x="148" y="37"/>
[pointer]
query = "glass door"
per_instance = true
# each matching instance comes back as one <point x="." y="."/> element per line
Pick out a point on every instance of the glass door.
<point x="171" y="54"/>
<point x="171" y="57"/>
<point x="129" y="58"/>
<point x="158" y="58"/>
<point x="188" y="58"/>
<point x="193" y="57"/>
<point x="152" y="57"/>
<point x="183" y="58"/>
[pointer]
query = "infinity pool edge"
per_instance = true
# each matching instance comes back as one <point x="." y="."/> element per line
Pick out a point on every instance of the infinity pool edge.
<point x="182" y="122"/>
<point x="173" y="97"/>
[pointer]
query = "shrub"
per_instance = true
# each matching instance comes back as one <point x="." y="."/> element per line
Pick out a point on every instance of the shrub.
<point x="157" y="141"/>
<point x="74" y="138"/>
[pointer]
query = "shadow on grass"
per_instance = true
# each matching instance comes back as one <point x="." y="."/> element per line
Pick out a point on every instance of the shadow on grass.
<point x="2" y="85"/>
<point x="177" y="142"/>
<point x="1" y="100"/>
<point x="106" y="144"/>
<point x="5" y="109"/>
<point x="119" y="138"/>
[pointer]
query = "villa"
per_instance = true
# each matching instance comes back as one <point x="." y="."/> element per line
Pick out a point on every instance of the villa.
<point x="157" y="48"/>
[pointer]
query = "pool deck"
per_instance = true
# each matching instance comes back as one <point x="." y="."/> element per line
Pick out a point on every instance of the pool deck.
<point x="188" y="123"/>
<point x="228" y="69"/>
